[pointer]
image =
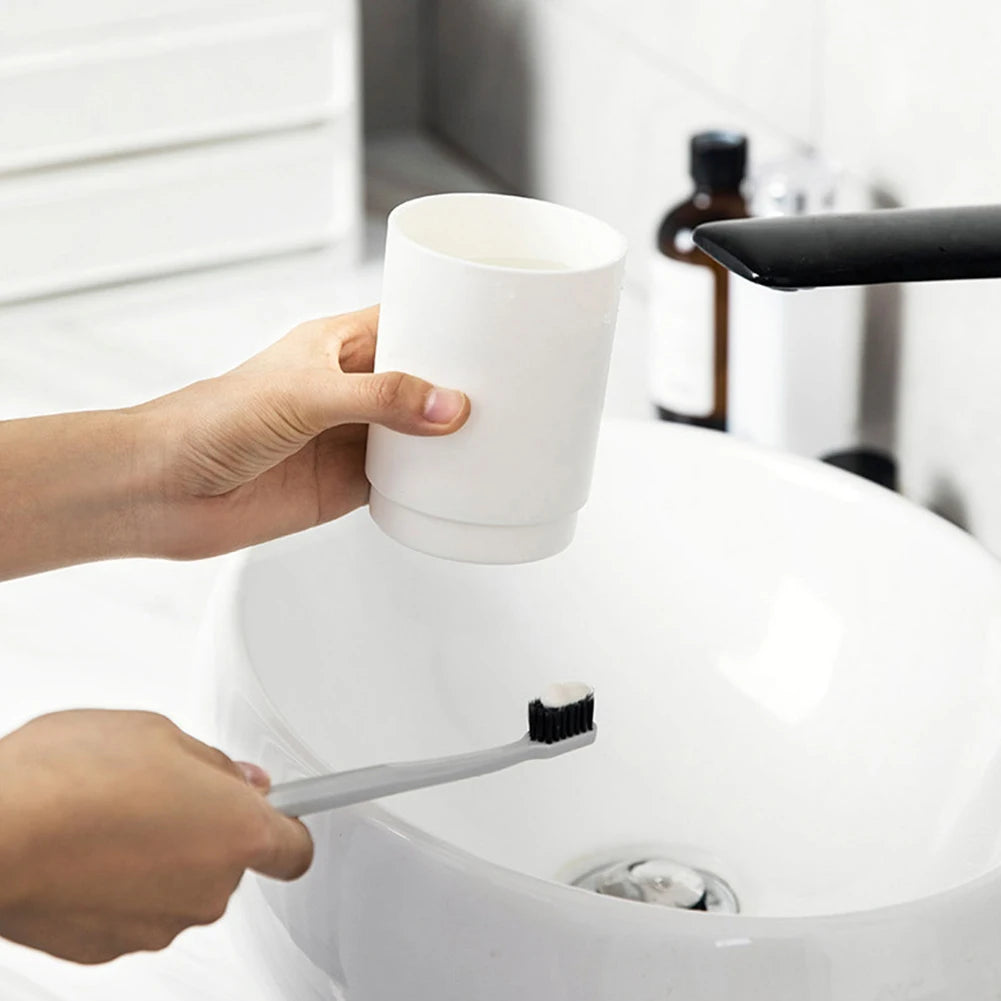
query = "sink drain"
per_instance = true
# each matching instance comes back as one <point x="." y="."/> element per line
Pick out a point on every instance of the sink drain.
<point x="661" y="881"/>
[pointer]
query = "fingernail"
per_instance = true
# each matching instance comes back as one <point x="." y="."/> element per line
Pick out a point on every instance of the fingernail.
<point x="443" y="405"/>
<point x="255" y="775"/>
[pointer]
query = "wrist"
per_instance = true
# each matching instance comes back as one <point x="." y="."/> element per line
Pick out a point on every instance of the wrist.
<point x="142" y="489"/>
<point x="160" y="504"/>
<point x="110" y="500"/>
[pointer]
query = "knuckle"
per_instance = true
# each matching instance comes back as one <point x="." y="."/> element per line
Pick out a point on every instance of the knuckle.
<point x="159" y="938"/>
<point x="44" y="719"/>
<point x="328" y="326"/>
<point x="94" y="957"/>
<point x="388" y="390"/>
<point x="156" y="722"/>
<point x="54" y="720"/>
<point x="146" y="936"/>
<point x="317" y="340"/>
<point x="308" y="329"/>
<point x="39" y="725"/>
<point x="285" y="416"/>
<point x="222" y="760"/>
<point x="211" y="910"/>
<point x="91" y="953"/>
<point x="308" y="333"/>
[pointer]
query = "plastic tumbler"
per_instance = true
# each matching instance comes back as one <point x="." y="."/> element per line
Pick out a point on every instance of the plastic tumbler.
<point x="514" y="301"/>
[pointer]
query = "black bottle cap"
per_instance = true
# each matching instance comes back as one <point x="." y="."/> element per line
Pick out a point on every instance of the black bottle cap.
<point x="718" y="159"/>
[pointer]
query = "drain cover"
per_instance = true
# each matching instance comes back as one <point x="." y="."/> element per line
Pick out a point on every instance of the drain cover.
<point x="661" y="881"/>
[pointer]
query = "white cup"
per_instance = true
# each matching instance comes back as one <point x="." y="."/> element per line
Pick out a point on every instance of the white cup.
<point x="512" y="301"/>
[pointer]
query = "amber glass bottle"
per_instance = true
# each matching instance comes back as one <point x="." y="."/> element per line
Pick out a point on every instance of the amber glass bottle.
<point x="689" y="298"/>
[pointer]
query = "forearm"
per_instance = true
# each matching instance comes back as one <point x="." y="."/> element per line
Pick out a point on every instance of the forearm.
<point x="72" y="489"/>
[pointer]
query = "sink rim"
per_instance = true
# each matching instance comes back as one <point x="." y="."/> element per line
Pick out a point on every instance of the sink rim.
<point x="562" y="896"/>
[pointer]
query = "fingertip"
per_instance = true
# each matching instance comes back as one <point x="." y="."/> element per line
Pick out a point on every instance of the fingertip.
<point x="295" y="854"/>
<point x="446" y="407"/>
<point x="284" y="846"/>
<point x="307" y="850"/>
<point x="255" y="776"/>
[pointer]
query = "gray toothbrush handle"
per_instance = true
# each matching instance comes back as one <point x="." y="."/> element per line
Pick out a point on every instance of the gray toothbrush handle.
<point x="328" y="792"/>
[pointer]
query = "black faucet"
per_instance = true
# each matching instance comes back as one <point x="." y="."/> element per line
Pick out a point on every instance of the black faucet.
<point x="859" y="248"/>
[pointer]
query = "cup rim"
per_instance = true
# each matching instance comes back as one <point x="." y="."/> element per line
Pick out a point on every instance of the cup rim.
<point x="619" y="242"/>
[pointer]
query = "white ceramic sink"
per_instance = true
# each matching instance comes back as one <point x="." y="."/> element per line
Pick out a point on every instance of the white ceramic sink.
<point x="16" y="988"/>
<point x="798" y="682"/>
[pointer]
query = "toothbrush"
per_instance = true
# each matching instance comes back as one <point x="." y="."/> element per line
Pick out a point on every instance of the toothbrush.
<point x="561" y="720"/>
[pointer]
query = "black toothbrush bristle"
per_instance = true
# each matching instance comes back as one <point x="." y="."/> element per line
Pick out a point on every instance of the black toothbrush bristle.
<point x="548" y="725"/>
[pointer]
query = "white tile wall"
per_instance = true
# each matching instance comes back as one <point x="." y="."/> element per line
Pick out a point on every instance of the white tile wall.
<point x="757" y="56"/>
<point x="910" y="96"/>
<point x="614" y="142"/>
<point x="909" y="99"/>
<point x="545" y="94"/>
<point x="591" y="103"/>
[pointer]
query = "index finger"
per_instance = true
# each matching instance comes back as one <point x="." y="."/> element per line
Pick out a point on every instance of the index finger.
<point x="357" y="351"/>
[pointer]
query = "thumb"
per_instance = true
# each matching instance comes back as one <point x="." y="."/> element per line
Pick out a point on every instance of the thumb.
<point x="398" y="401"/>
<point x="289" y="851"/>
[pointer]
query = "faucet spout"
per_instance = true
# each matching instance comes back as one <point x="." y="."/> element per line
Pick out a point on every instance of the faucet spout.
<point x="859" y="248"/>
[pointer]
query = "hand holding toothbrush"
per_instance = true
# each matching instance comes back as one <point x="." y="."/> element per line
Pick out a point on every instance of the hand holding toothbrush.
<point x="118" y="831"/>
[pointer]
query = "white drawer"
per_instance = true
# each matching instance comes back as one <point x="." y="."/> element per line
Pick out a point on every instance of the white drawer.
<point x="40" y="22"/>
<point x="151" y="214"/>
<point x="121" y="85"/>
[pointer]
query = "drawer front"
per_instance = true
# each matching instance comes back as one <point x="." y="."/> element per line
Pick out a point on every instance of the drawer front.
<point x="139" y="84"/>
<point x="138" y="216"/>
<point x="44" y="24"/>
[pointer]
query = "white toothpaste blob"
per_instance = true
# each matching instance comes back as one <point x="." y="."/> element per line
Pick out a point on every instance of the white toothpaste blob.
<point x="565" y="693"/>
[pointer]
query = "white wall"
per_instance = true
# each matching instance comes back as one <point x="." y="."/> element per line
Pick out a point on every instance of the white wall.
<point x="590" y="102"/>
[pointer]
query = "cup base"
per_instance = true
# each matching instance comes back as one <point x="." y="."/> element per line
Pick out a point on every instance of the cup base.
<point x="466" y="542"/>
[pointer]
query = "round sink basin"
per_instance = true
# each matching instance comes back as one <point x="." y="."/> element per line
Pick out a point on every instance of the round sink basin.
<point x="798" y="694"/>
